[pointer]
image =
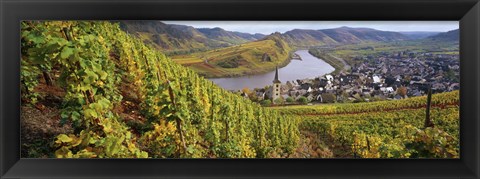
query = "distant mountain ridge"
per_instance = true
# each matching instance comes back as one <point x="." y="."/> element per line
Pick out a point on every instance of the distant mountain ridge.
<point x="419" y="34"/>
<point x="341" y="35"/>
<point x="453" y="35"/>
<point x="187" y="39"/>
<point x="163" y="36"/>
<point x="172" y="37"/>
<point x="228" y="36"/>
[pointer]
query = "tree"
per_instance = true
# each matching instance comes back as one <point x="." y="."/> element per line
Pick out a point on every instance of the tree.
<point x="266" y="102"/>
<point x="290" y="99"/>
<point x="246" y="90"/>
<point x="389" y="81"/>
<point x="450" y="74"/>
<point x="302" y="100"/>
<point x="248" y="94"/>
<point x="279" y="101"/>
<point x="402" y="91"/>
<point x="407" y="80"/>
<point x="328" y="97"/>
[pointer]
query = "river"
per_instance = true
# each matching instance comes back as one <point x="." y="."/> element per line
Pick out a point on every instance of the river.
<point x="309" y="67"/>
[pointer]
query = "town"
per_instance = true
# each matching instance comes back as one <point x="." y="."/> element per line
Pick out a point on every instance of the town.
<point x="387" y="76"/>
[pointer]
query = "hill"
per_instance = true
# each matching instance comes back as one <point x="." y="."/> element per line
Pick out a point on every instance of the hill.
<point x="263" y="55"/>
<point x="453" y="35"/>
<point x="172" y="38"/>
<point x="304" y="37"/>
<point x="228" y="36"/>
<point x="120" y="98"/>
<point x="339" y="36"/>
<point x="419" y="34"/>
<point x="98" y="92"/>
<point x="166" y="37"/>
<point x="256" y="36"/>
<point x="249" y="58"/>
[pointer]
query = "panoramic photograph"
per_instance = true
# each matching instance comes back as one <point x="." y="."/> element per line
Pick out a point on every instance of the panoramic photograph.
<point x="240" y="89"/>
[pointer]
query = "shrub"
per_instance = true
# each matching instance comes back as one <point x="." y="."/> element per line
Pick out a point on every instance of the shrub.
<point x="279" y="101"/>
<point x="290" y="100"/>
<point x="228" y="64"/>
<point x="266" y="102"/>
<point x="328" y="98"/>
<point x="302" y="100"/>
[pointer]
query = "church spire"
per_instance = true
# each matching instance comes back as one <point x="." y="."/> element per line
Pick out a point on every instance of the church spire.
<point x="275" y="80"/>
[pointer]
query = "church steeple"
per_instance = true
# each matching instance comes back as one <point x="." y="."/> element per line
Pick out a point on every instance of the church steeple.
<point x="275" y="80"/>
<point x="276" y="89"/>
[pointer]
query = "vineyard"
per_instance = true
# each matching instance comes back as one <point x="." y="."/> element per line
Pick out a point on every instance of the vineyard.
<point x="240" y="59"/>
<point x="388" y="129"/>
<point x="123" y="99"/>
<point x="91" y="90"/>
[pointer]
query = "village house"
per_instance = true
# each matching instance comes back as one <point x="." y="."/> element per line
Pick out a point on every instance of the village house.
<point x="379" y="77"/>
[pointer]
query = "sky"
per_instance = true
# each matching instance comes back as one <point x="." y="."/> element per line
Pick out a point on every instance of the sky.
<point x="268" y="27"/>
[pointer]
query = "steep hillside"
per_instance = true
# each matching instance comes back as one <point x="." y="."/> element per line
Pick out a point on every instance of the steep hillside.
<point x="165" y="37"/>
<point x="250" y="37"/>
<point x="339" y="36"/>
<point x="419" y="34"/>
<point x="227" y="36"/>
<point x="174" y="39"/>
<point x="263" y="55"/>
<point x="123" y="99"/>
<point x="248" y="58"/>
<point x="303" y="37"/>
<point x="453" y="35"/>
<point x="90" y="90"/>
<point x="365" y="34"/>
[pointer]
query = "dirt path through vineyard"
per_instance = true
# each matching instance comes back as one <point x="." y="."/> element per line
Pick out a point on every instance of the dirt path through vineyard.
<point x="311" y="146"/>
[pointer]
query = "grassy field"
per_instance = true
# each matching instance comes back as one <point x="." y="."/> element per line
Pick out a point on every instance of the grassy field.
<point x="249" y="58"/>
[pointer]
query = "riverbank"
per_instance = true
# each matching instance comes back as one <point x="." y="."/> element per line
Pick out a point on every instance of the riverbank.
<point x="307" y="68"/>
<point x="339" y="64"/>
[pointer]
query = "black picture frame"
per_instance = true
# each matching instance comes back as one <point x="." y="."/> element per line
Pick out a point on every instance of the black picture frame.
<point x="13" y="11"/>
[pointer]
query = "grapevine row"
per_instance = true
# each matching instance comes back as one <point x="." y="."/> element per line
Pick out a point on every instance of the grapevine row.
<point x="398" y="134"/>
<point x="187" y="115"/>
<point x="439" y="100"/>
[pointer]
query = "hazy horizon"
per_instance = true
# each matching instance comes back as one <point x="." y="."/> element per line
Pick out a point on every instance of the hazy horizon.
<point x="268" y="27"/>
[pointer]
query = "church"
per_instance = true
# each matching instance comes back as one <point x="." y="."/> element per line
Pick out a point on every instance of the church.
<point x="276" y="89"/>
